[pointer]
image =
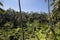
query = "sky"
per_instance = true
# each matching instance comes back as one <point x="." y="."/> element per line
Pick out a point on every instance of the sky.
<point x="26" y="5"/>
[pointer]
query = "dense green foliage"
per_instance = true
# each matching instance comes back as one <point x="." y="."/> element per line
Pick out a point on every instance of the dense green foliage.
<point x="36" y="25"/>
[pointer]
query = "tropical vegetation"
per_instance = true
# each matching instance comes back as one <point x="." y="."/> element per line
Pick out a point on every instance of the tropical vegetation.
<point x="15" y="25"/>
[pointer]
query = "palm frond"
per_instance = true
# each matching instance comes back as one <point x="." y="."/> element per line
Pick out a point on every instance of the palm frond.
<point x="1" y="9"/>
<point x="51" y="4"/>
<point x="1" y="4"/>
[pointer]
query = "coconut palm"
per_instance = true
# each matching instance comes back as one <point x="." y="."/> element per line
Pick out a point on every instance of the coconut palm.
<point x="50" y="21"/>
<point x="21" y="20"/>
<point x="48" y="5"/>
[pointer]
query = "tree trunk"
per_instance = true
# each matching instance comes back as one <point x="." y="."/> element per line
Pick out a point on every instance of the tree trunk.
<point x="50" y="21"/>
<point x="20" y="14"/>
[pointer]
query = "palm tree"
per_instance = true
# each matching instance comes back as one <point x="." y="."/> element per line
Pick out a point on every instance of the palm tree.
<point x="50" y="21"/>
<point x="21" y="20"/>
<point x="48" y="5"/>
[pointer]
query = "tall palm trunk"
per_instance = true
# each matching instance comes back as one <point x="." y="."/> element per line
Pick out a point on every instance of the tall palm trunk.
<point x="48" y="7"/>
<point x="20" y="14"/>
<point x="50" y="21"/>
